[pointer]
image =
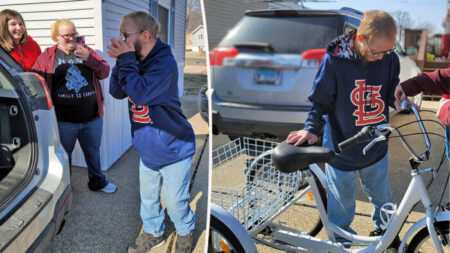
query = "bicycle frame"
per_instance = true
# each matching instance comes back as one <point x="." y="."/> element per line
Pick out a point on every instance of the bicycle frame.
<point x="416" y="192"/>
<point x="295" y="240"/>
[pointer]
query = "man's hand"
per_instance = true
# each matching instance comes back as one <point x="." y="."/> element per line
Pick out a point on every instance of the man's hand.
<point x="299" y="137"/>
<point x="82" y="53"/>
<point x="118" y="47"/>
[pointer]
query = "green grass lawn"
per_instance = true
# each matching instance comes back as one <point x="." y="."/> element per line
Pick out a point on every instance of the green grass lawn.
<point x="193" y="83"/>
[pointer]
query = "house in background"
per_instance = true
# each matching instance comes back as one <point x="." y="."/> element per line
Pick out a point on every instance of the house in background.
<point x="98" y="21"/>
<point x="198" y="39"/>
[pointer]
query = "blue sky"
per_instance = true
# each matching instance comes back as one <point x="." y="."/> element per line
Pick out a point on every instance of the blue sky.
<point x="432" y="11"/>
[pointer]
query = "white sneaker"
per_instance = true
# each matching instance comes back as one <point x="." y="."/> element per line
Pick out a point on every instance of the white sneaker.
<point x="109" y="188"/>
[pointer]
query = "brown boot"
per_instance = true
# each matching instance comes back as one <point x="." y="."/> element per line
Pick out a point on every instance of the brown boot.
<point x="184" y="243"/>
<point x="145" y="242"/>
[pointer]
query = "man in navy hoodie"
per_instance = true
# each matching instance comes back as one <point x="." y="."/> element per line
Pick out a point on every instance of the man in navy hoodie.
<point x="146" y="73"/>
<point x="354" y="87"/>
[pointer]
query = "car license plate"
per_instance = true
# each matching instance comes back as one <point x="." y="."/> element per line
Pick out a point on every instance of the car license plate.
<point x="267" y="77"/>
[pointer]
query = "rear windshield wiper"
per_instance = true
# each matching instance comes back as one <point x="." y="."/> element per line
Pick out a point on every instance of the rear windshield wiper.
<point x="257" y="46"/>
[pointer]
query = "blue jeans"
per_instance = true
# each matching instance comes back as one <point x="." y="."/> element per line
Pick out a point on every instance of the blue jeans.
<point x="172" y="182"/>
<point x="342" y="187"/>
<point x="89" y="135"/>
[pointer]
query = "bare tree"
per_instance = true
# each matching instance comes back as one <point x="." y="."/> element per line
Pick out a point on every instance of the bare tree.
<point x="189" y="7"/>
<point x="193" y="15"/>
<point x="426" y="25"/>
<point x="403" y="20"/>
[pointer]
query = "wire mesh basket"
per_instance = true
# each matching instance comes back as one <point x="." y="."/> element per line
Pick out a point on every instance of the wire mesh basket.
<point x="247" y="185"/>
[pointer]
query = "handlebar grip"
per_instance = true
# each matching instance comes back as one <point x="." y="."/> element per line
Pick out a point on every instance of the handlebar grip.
<point x="366" y="134"/>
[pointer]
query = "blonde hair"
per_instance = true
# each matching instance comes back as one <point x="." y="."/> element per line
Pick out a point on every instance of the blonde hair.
<point x="55" y="27"/>
<point x="377" y="23"/>
<point x="6" y="41"/>
<point x="144" y="22"/>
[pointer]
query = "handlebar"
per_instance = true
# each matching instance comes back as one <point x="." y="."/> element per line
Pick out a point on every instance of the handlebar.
<point x="366" y="134"/>
<point x="380" y="132"/>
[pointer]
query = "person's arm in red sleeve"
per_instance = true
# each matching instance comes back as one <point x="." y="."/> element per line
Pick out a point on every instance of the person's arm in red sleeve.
<point x="443" y="112"/>
<point x="436" y="82"/>
<point x="97" y="64"/>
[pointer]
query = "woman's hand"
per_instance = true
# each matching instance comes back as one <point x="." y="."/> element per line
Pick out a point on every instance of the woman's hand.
<point x="82" y="52"/>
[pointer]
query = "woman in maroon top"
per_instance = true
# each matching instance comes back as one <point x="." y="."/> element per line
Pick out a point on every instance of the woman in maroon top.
<point x="72" y="72"/>
<point x="15" y="40"/>
<point x="437" y="82"/>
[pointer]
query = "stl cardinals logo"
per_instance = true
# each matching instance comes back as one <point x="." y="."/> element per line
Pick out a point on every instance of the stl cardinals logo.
<point x="363" y="96"/>
<point x="140" y="113"/>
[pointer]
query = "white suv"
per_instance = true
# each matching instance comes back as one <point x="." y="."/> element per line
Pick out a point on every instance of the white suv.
<point x="35" y="192"/>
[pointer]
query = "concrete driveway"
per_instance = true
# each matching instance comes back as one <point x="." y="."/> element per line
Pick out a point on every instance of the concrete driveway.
<point x="399" y="175"/>
<point x="100" y="222"/>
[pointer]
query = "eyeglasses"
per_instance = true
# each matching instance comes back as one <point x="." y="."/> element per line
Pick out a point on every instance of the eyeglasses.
<point x="68" y="36"/>
<point x="124" y="36"/>
<point x="376" y="54"/>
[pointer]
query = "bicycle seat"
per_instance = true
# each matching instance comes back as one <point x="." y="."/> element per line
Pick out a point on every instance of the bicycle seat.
<point x="288" y="158"/>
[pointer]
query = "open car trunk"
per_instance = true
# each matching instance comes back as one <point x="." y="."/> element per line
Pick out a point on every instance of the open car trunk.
<point x="18" y="142"/>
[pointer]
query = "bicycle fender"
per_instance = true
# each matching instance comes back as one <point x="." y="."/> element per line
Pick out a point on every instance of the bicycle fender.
<point x="441" y="216"/>
<point x="234" y="225"/>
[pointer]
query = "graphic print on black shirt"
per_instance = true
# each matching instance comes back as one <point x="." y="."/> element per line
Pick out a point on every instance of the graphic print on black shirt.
<point x="73" y="91"/>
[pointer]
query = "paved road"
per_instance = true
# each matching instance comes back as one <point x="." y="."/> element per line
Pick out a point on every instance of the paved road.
<point x="100" y="222"/>
<point x="399" y="174"/>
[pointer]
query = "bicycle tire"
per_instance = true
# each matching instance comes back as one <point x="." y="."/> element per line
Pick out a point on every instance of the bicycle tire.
<point x="217" y="226"/>
<point x="423" y="241"/>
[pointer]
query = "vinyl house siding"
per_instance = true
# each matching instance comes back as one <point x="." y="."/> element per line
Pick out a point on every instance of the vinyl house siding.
<point x="178" y="43"/>
<point x="98" y="21"/>
<point x="118" y="140"/>
<point x="39" y="16"/>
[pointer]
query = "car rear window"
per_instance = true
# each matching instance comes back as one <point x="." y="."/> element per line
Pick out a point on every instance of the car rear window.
<point x="291" y="34"/>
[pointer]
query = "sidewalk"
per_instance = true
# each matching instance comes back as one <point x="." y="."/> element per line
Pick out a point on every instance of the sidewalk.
<point x="100" y="222"/>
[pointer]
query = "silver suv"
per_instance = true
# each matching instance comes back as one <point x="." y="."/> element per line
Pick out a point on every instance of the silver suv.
<point x="263" y="70"/>
<point x="35" y="192"/>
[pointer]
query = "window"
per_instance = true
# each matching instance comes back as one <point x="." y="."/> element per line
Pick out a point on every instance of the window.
<point x="286" y="34"/>
<point x="163" y="18"/>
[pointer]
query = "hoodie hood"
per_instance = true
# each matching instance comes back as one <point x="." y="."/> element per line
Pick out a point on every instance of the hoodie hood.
<point x="342" y="47"/>
<point x="159" y="50"/>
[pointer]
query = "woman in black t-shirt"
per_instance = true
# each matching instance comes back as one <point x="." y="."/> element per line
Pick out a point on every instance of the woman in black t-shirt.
<point x="72" y="72"/>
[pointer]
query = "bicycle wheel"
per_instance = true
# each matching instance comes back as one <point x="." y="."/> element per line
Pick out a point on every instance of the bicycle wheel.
<point x="422" y="241"/>
<point x="222" y="239"/>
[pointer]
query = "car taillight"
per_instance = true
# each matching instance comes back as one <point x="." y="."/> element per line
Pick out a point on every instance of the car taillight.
<point x="47" y="92"/>
<point x="312" y="58"/>
<point x="219" y="53"/>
